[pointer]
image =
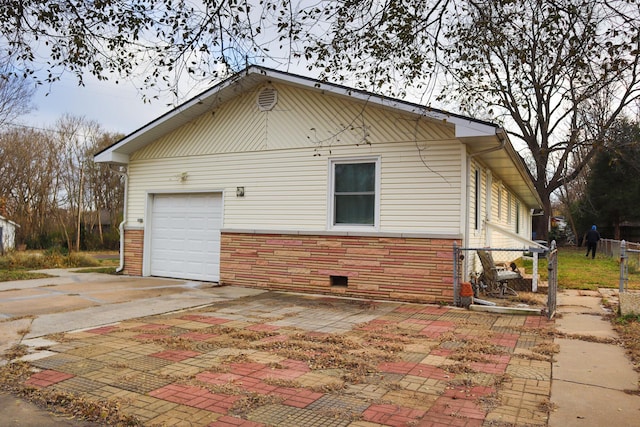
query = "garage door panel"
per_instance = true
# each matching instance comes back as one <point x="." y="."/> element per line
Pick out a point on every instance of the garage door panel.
<point x="185" y="230"/>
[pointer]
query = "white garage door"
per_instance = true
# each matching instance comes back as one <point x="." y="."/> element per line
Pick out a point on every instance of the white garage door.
<point x="185" y="236"/>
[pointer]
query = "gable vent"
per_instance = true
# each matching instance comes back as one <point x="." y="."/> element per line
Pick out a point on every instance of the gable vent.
<point x="267" y="99"/>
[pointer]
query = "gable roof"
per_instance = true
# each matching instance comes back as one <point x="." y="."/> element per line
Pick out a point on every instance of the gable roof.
<point x="485" y="140"/>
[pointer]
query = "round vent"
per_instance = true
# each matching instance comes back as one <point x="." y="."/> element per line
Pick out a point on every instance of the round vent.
<point x="267" y="99"/>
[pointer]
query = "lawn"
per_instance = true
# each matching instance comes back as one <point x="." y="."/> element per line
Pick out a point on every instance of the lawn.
<point x="19" y="274"/>
<point x="20" y="265"/>
<point x="575" y="271"/>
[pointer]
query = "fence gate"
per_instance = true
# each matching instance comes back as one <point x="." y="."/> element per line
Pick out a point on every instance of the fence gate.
<point x="459" y="255"/>
<point x="552" y="292"/>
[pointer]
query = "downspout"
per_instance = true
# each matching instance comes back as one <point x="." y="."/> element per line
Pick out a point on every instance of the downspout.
<point x="124" y="214"/>
<point x="467" y="228"/>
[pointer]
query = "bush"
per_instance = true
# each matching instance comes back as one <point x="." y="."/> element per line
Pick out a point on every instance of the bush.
<point x="77" y="259"/>
<point x="51" y="258"/>
<point x="23" y="260"/>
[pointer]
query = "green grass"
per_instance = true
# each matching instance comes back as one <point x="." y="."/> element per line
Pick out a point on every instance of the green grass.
<point x="575" y="271"/>
<point x="103" y="270"/>
<point x="9" y="275"/>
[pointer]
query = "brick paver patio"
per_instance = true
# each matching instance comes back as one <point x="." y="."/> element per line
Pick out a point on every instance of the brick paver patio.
<point x="288" y="360"/>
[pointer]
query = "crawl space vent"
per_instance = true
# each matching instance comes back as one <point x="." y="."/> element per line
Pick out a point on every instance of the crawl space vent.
<point x="267" y="99"/>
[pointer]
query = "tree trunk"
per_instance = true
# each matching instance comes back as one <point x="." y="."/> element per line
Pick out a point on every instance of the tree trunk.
<point x="541" y="223"/>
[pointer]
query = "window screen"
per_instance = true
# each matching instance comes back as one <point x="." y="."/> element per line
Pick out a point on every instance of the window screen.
<point x="354" y="193"/>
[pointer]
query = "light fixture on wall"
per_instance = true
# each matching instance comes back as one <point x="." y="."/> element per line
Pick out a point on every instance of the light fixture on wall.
<point x="239" y="191"/>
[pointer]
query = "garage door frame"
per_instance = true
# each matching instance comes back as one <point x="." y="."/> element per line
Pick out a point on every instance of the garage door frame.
<point x="148" y="220"/>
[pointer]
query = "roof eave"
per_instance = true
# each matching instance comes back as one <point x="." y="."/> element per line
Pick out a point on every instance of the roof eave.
<point x="119" y="152"/>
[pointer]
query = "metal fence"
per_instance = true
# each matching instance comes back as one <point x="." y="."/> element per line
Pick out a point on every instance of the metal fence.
<point x="552" y="290"/>
<point x="467" y="265"/>
<point x="611" y="248"/>
<point x="629" y="258"/>
<point x="628" y="253"/>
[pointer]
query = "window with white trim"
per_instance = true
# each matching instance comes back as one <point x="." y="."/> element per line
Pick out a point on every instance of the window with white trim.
<point x="355" y="192"/>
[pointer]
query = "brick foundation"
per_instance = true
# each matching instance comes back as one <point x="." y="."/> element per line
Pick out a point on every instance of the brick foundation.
<point x="405" y="269"/>
<point x="133" y="249"/>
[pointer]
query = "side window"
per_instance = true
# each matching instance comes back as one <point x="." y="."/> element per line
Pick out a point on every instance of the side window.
<point x="354" y="192"/>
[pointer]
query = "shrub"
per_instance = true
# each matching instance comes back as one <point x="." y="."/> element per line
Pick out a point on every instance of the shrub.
<point x="77" y="259"/>
<point x="24" y="260"/>
<point x="52" y="258"/>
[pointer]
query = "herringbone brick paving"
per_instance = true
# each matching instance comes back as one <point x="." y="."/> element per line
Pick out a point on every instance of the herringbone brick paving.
<point x="280" y="359"/>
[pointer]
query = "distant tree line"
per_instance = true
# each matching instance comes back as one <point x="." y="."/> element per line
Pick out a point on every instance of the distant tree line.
<point x="608" y="194"/>
<point x="51" y="187"/>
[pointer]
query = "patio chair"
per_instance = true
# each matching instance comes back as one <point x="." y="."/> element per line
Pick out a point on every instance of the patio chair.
<point x="496" y="276"/>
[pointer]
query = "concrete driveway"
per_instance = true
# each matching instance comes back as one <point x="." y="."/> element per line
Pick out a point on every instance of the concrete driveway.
<point x="73" y="300"/>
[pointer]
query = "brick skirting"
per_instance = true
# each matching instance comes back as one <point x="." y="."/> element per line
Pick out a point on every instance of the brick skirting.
<point x="403" y="269"/>
<point x="133" y="249"/>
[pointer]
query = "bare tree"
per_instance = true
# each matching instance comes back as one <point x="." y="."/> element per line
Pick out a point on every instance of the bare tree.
<point x="558" y="73"/>
<point x="28" y="181"/>
<point x="49" y="183"/>
<point x="75" y="136"/>
<point x="104" y="186"/>
<point x="16" y="92"/>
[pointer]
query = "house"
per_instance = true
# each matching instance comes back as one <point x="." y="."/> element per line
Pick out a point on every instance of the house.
<point x="279" y="181"/>
<point x="7" y="234"/>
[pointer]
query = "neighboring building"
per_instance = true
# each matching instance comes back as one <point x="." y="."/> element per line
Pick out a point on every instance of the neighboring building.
<point x="279" y="181"/>
<point x="7" y="234"/>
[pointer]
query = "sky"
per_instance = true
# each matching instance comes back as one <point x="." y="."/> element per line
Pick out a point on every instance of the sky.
<point x="118" y="108"/>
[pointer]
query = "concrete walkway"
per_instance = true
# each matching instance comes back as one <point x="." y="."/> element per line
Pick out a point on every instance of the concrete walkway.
<point x="590" y="378"/>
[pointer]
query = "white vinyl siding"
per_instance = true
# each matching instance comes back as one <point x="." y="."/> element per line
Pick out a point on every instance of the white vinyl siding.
<point x="477" y="199"/>
<point x="7" y="234"/>
<point x="281" y="157"/>
<point x="301" y="118"/>
<point x="287" y="190"/>
<point x="516" y="210"/>
<point x="476" y="182"/>
<point x="499" y="204"/>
